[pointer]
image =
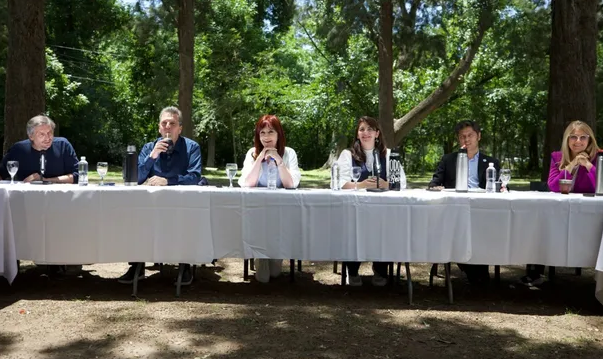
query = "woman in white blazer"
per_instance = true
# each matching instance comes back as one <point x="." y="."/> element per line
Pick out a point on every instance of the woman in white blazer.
<point x="269" y="143"/>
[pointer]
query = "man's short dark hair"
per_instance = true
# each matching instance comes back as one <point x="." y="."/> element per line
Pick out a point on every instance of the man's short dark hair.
<point x="466" y="123"/>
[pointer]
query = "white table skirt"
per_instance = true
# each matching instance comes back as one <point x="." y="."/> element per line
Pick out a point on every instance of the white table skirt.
<point x="8" y="256"/>
<point x="70" y="224"/>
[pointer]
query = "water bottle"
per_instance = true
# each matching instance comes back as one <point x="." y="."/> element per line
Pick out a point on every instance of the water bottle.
<point x="462" y="171"/>
<point x="490" y="178"/>
<point x="335" y="176"/>
<point x="130" y="168"/>
<point x="599" y="163"/>
<point x="272" y="170"/>
<point x="42" y="164"/>
<point x="395" y="171"/>
<point x="83" y="172"/>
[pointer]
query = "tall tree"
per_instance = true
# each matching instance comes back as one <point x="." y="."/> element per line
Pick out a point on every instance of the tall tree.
<point x="573" y="61"/>
<point x="186" y="48"/>
<point x="25" y="68"/>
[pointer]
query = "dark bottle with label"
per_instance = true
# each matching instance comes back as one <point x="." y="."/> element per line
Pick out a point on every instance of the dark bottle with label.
<point x="130" y="169"/>
<point x="395" y="170"/>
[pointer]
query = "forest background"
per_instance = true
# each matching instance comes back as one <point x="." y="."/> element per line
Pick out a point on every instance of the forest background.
<point x="419" y="66"/>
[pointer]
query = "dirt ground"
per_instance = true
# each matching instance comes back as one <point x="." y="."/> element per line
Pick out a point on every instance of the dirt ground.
<point x="87" y="314"/>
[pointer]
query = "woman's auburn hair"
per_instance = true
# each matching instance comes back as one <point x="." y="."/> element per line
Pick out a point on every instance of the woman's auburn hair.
<point x="273" y="122"/>
<point x="566" y="153"/>
<point x="356" y="149"/>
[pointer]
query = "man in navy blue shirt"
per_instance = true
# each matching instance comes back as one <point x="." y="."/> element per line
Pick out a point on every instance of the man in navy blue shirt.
<point x="60" y="160"/>
<point x="161" y="163"/>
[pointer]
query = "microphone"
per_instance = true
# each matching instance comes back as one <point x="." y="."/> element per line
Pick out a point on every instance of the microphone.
<point x="42" y="164"/>
<point x="376" y="165"/>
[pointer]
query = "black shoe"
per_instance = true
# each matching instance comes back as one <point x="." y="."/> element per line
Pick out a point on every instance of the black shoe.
<point x="187" y="275"/>
<point x="128" y="278"/>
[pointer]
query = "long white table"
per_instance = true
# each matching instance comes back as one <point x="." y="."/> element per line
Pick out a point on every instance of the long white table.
<point x="70" y="224"/>
<point x="8" y="255"/>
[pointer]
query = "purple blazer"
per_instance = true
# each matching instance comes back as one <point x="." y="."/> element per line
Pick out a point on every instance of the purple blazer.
<point x="584" y="182"/>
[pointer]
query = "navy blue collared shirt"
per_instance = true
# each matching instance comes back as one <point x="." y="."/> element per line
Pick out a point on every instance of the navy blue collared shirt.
<point x="182" y="167"/>
<point x="60" y="160"/>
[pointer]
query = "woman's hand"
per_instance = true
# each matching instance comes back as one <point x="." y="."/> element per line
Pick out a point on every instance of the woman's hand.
<point x="583" y="160"/>
<point x="273" y="153"/>
<point x="371" y="182"/>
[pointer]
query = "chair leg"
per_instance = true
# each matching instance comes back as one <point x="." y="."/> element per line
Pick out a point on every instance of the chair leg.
<point x="398" y="272"/>
<point x="292" y="270"/>
<point x="335" y="267"/>
<point x="344" y="273"/>
<point x="449" y="283"/>
<point x="246" y="269"/>
<point x="179" y="279"/>
<point x="578" y="271"/>
<point x="391" y="273"/>
<point x="135" y="281"/>
<point x="251" y="264"/>
<point x="497" y="275"/>
<point x="551" y="274"/>
<point x="432" y="273"/>
<point x="299" y="265"/>
<point x="408" y="282"/>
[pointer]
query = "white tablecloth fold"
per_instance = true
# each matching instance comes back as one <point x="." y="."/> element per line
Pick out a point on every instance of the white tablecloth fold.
<point x="8" y="256"/>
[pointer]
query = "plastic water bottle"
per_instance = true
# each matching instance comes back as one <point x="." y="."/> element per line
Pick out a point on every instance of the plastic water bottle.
<point x="335" y="176"/>
<point x="83" y="172"/>
<point x="402" y="178"/>
<point x="272" y="170"/>
<point x="490" y="178"/>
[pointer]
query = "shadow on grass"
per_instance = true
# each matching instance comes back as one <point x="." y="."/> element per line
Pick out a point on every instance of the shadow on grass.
<point x="351" y="330"/>
<point x="569" y="294"/>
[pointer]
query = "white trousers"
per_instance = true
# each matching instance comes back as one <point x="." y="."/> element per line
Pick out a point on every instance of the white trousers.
<point x="266" y="268"/>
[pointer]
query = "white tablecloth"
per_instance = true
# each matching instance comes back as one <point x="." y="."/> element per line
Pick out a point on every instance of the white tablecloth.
<point x="70" y="224"/>
<point x="8" y="258"/>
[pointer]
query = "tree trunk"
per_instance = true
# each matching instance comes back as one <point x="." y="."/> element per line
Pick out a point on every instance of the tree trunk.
<point x="186" y="45"/>
<point x="211" y="150"/>
<point x="386" y="87"/>
<point x="534" y="160"/>
<point x="404" y="125"/>
<point x="341" y="144"/>
<point x="25" y="68"/>
<point x="573" y="61"/>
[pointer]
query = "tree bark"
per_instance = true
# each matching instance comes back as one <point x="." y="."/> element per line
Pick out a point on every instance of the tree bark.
<point x="386" y="87"/>
<point x="26" y="64"/>
<point x="573" y="61"/>
<point x="211" y="150"/>
<point x="186" y="46"/>
<point x="341" y="144"/>
<point x="404" y="125"/>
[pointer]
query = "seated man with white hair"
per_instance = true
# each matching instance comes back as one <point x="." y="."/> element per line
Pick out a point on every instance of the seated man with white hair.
<point x="60" y="165"/>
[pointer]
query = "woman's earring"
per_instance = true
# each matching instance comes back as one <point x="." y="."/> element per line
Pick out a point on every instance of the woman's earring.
<point x="376" y="141"/>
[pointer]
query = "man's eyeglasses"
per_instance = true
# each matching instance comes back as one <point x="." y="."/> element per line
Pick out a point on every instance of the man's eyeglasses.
<point x="582" y="138"/>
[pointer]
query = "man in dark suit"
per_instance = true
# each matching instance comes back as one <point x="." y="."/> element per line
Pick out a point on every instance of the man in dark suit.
<point x="468" y="134"/>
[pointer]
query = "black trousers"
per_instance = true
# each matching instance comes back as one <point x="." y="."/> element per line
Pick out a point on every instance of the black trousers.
<point x="535" y="270"/>
<point x="475" y="272"/>
<point x="380" y="268"/>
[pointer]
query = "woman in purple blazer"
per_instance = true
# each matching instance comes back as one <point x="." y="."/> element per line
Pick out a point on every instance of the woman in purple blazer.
<point x="576" y="160"/>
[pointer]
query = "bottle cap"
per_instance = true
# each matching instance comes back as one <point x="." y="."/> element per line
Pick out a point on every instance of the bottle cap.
<point x="83" y="158"/>
<point x="463" y="150"/>
<point x="491" y="164"/>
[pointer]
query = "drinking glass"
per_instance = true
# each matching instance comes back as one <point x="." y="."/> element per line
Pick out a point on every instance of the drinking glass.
<point x="12" y="167"/>
<point x="231" y="171"/>
<point x="356" y="172"/>
<point x="505" y="176"/>
<point x="102" y="168"/>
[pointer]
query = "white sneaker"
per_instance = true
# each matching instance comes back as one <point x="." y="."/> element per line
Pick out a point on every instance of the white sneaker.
<point x="538" y="281"/>
<point x="379" y="281"/>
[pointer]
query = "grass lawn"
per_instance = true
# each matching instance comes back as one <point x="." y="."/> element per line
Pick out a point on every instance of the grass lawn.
<point x="310" y="179"/>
